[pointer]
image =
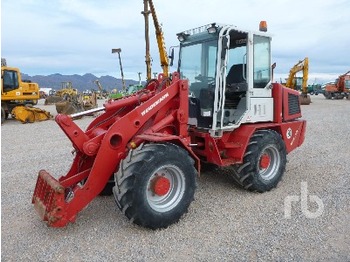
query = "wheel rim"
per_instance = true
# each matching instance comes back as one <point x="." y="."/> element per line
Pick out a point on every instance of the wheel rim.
<point x="269" y="162"/>
<point x="165" y="188"/>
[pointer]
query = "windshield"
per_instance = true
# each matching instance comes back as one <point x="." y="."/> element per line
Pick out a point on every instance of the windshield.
<point x="198" y="64"/>
<point x="10" y="80"/>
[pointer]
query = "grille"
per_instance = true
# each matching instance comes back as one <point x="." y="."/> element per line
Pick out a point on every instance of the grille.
<point x="293" y="104"/>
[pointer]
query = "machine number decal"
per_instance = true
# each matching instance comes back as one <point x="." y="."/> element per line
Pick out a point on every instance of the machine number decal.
<point x="289" y="133"/>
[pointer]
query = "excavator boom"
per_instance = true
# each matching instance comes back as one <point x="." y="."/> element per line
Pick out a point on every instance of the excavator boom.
<point x="302" y="65"/>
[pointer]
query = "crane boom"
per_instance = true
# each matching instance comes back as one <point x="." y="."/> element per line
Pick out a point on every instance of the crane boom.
<point x="164" y="61"/>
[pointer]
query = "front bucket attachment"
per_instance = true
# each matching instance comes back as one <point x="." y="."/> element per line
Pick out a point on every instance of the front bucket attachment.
<point x="50" y="100"/>
<point x="305" y="99"/>
<point x="49" y="200"/>
<point x="68" y="108"/>
<point x="27" y="114"/>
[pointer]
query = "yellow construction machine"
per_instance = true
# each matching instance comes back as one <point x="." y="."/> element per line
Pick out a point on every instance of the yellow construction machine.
<point x="302" y="65"/>
<point x="18" y="96"/>
<point x="67" y="100"/>
<point x="89" y="99"/>
<point x="67" y="92"/>
<point x="101" y="94"/>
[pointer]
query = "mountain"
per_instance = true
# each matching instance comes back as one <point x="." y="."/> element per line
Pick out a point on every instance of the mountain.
<point x="80" y="82"/>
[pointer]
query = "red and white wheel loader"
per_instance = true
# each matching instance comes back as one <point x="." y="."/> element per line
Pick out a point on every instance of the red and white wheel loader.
<point x="220" y="107"/>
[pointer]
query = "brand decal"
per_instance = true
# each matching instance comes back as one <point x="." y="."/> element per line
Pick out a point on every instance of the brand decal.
<point x="148" y="109"/>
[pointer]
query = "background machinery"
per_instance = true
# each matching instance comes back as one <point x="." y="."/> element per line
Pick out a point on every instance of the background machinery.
<point x="301" y="66"/>
<point x="67" y="93"/>
<point x="17" y="94"/>
<point x="69" y="101"/>
<point x="339" y="89"/>
<point x="102" y="93"/>
<point x="150" y="145"/>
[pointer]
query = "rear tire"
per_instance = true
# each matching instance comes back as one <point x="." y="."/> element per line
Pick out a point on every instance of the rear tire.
<point x="155" y="185"/>
<point x="264" y="162"/>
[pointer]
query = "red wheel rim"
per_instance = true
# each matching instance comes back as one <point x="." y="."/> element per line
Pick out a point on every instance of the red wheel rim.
<point x="161" y="186"/>
<point x="265" y="161"/>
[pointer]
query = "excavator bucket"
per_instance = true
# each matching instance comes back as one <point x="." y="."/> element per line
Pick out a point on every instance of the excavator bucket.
<point x="68" y="108"/>
<point x="27" y="114"/>
<point x="305" y="99"/>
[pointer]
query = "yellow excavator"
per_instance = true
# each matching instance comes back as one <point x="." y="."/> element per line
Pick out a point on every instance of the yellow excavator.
<point x="18" y="97"/>
<point x="302" y="65"/>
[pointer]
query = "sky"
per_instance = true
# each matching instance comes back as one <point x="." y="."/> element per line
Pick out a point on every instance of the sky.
<point x="76" y="36"/>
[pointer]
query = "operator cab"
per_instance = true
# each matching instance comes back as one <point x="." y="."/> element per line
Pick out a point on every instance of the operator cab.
<point x="9" y="80"/>
<point x="229" y="74"/>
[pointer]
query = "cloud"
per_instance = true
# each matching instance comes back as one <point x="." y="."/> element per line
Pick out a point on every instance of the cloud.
<point x="76" y="36"/>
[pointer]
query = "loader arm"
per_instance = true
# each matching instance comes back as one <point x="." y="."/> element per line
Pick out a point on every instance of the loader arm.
<point x="159" y="110"/>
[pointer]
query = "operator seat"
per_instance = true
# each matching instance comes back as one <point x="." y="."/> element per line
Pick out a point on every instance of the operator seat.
<point x="234" y="79"/>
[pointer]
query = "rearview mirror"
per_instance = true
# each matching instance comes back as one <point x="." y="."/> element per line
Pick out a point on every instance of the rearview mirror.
<point x="224" y="47"/>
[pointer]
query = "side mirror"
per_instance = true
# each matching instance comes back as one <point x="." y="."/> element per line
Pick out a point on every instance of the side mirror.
<point x="224" y="47"/>
<point x="171" y="56"/>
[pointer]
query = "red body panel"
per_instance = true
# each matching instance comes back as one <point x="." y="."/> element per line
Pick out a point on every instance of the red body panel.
<point x="230" y="148"/>
<point x="159" y="113"/>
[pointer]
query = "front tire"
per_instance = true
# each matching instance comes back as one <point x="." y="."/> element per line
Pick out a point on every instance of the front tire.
<point x="3" y="115"/>
<point x="264" y="162"/>
<point x="155" y="185"/>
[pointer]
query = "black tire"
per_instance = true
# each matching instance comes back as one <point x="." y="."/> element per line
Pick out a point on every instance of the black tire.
<point x="3" y="115"/>
<point x="108" y="189"/>
<point x="264" y="162"/>
<point x="155" y="185"/>
<point x="328" y="95"/>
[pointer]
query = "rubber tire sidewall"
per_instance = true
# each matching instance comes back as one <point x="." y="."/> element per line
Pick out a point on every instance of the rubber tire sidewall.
<point x="247" y="174"/>
<point x="162" y="155"/>
<point x="3" y="115"/>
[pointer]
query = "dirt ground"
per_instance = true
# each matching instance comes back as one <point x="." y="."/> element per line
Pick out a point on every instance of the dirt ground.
<point x="306" y="218"/>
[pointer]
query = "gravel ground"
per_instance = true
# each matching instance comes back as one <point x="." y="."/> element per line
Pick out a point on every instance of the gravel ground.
<point x="224" y="223"/>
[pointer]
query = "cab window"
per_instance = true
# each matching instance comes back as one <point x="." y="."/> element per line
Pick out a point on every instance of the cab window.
<point x="262" y="64"/>
<point x="10" y="80"/>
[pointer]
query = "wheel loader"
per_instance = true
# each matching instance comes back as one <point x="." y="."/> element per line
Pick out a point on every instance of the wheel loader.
<point x="66" y="93"/>
<point x="150" y="145"/>
<point x="220" y="107"/>
<point x="67" y="100"/>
